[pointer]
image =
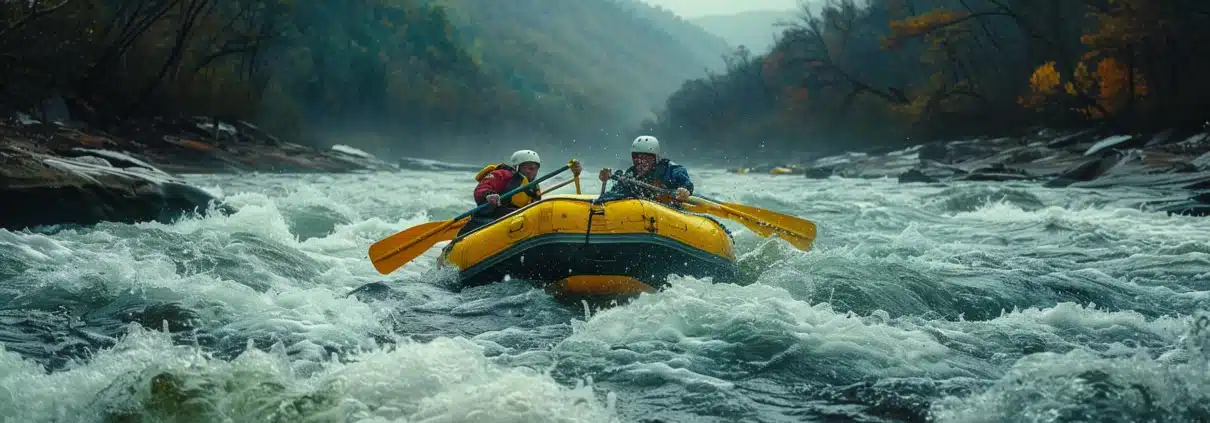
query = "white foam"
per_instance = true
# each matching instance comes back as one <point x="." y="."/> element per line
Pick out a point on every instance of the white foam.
<point x="889" y="235"/>
<point x="447" y="380"/>
<point x="692" y="312"/>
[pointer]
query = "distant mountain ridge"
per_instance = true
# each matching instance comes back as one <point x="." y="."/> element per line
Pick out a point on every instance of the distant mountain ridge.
<point x="753" y="29"/>
<point x="708" y="46"/>
<point x="590" y="63"/>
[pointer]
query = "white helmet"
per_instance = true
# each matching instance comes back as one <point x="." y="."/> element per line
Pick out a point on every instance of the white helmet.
<point x="646" y="144"/>
<point x="522" y="156"/>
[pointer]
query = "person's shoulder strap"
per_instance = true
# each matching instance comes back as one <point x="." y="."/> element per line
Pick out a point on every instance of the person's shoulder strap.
<point x="487" y="170"/>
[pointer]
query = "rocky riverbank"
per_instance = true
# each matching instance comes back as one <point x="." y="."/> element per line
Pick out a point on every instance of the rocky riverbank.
<point x="1174" y="161"/>
<point x="68" y="174"/>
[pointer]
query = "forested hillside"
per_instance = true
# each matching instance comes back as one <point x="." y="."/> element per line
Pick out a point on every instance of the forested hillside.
<point x="708" y="46"/>
<point x="587" y="64"/>
<point x="874" y="76"/>
<point x="754" y="29"/>
<point x="412" y="71"/>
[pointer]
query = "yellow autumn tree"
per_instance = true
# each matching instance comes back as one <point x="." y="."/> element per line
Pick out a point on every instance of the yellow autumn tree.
<point x="1112" y="44"/>
<point x="942" y="30"/>
<point x="935" y="25"/>
<point x="1109" y="85"/>
<point x="1043" y="84"/>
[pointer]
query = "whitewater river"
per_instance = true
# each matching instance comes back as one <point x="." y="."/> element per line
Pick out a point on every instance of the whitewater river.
<point x="967" y="303"/>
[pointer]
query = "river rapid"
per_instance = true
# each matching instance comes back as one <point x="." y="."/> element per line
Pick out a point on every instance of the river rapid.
<point x="971" y="302"/>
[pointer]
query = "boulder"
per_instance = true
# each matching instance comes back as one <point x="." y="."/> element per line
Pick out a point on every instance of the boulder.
<point x="1136" y="167"/>
<point x="413" y="163"/>
<point x="356" y="157"/>
<point x="996" y="172"/>
<point x="202" y="145"/>
<point x="916" y="176"/>
<point x="38" y="188"/>
<point x="817" y="173"/>
<point x="1175" y="162"/>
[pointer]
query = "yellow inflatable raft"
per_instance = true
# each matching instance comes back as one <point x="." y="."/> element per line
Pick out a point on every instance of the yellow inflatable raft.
<point x="631" y="247"/>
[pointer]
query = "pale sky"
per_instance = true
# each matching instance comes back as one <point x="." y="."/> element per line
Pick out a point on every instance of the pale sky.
<point x="696" y="8"/>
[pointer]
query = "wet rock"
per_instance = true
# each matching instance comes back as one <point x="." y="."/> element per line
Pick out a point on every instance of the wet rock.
<point x="969" y="150"/>
<point x="1173" y="159"/>
<point x="373" y="291"/>
<point x="72" y="174"/>
<point x="771" y="169"/>
<point x="996" y="172"/>
<point x="172" y="317"/>
<point x="38" y="188"/>
<point x="1074" y="140"/>
<point x="1201" y="162"/>
<point x="414" y="163"/>
<point x="204" y="145"/>
<point x="814" y="173"/>
<point x="1139" y="168"/>
<point x="860" y="165"/>
<point x="1117" y="141"/>
<point x="1051" y="164"/>
<point x="356" y="157"/>
<point x="915" y="176"/>
<point x="1160" y="138"/>
<point x="1193" y="206"/>
<point x="1086" y="171"/>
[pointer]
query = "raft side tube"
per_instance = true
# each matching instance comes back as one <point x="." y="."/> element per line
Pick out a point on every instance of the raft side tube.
<point x="552" y="257"/>
<point x="639" y="239"/>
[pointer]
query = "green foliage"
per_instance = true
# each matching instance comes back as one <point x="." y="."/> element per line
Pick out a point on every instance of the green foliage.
<point x="302" y="69"/>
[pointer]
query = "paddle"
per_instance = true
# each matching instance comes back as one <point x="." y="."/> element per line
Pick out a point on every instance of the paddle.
<point x="397" y="250"/>
<point x="797" y="231"/>
<point x="575" y="178"/>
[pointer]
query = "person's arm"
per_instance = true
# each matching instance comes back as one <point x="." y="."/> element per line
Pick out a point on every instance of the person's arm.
<point x="680" y="179"/>
<point x="617" y="190"/>
<point x="493" y="183"/>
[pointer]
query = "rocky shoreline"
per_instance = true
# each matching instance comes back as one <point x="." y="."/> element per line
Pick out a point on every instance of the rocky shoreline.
<point x="1172" y="160"/>
<point x="56" y="173"/>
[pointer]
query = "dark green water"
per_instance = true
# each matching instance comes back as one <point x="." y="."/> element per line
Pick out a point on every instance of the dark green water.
<point x="965" y="303"/>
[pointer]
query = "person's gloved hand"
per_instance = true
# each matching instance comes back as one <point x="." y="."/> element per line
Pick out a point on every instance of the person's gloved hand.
<point x="604" y="175"/>
<point x="493" y="199"/>
<point x="682" y="194"/>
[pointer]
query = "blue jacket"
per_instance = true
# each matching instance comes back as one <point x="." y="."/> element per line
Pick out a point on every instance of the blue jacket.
<point x="666" y="174"/>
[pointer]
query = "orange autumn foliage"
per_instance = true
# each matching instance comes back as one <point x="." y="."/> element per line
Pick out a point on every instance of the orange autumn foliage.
<point x="921" y="25"/>
<point x="1122" y="23"/>
<point x="1109" y="86"/>
<point x="1043" y="83"/>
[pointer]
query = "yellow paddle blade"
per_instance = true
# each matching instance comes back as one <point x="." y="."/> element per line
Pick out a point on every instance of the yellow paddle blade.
<point x="411" y="242"/>
<point x="797" y="231"/>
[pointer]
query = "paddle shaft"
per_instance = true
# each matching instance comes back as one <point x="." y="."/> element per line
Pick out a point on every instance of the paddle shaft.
<point x="670" y="192"/>
<point x="559" y="185"/>
<point x="664" y="191"/>
<point x="575" y="178"/>
<point x="509" y="194"/>
<point x="470" y="212"/>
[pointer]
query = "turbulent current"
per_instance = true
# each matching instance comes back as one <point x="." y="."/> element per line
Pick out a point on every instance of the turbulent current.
<point x="960" y="303"/>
